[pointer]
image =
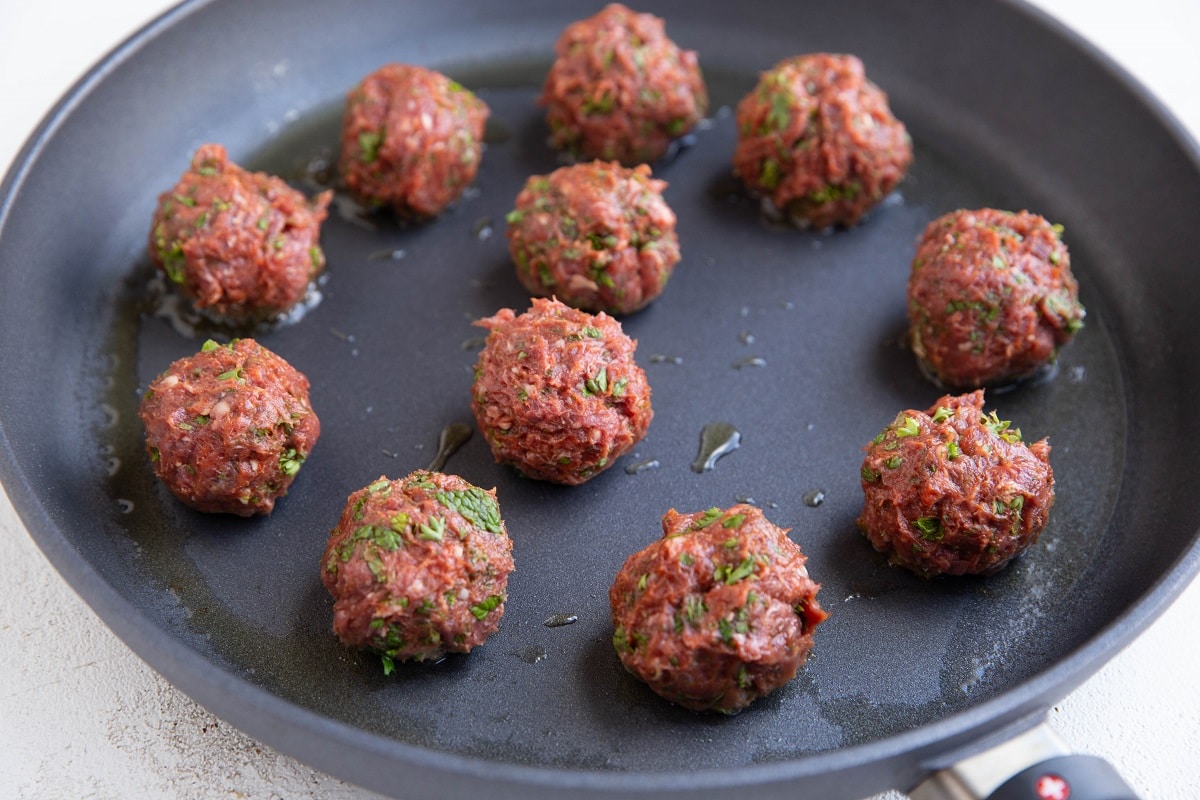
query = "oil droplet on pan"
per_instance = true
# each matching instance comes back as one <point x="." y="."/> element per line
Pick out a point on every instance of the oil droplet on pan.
<point x="482" y="229"/>
<point x="474" y="343"/>
<point x="532" y="654"/>
<point x="559" y="620"/>
<point x="387" y="255"/>
<point x="639" y="467"/>
<point x="452" y="437"/>
<point x="716" y="440"/>
<point x="814" y="498"/>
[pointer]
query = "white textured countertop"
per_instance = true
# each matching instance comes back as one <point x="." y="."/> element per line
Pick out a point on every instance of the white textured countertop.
<point x="82" y="717"/>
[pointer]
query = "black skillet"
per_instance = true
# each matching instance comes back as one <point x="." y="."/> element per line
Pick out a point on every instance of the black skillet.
<point x="1005" y="109"/>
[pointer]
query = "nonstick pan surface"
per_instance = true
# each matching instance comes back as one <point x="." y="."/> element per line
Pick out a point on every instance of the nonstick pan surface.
<point x="1005" y="111"/>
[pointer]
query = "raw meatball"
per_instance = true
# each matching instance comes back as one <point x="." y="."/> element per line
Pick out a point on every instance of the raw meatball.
<point x="620" y="89"/>
<point x="817" y="139"/>
<point x="411" y="139"/>
<point x="597" y="236"/>
<point x="228" y="428"/>
<point x="418" y="567"/>
<point x="991" y="297"/>
<point x="240" y="244"/>
<point x="954" y="491"/>
<point x="717" y="613"/>
<point x="557" y="393"/>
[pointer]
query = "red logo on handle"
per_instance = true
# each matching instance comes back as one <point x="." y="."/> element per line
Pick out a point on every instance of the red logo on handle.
<point x="1052" y="787"/>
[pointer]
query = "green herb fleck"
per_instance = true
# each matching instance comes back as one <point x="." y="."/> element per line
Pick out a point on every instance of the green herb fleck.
<point x="233" y="374"/>
<point x="768" y="178"/>
<point x="601" y="105"/>
<point x="952" y="450"/>
<point x="686" y="559"/>
<point x="910" y="427"/>
<point x="869" y="475"/>
<point x="477" y="506"/>
<point x="1000" y="427"/>
<point x="588" y="331"/>
<point x="780" y="116"/>
<point x="942" y="414"/>
<point x="368" y="144"/>
<point x="421" y="480"/>
<point x="930" y="528"/>
<point x="893" y="462"/>
<point x="708" y="518"/>
<point x="734" y="521"/>
<point x="384" y="538"/>
<point x="290" y="461"/>
<point x="434" y="530"/>
<point x="482" y="609"/>
<point x="694" y="609"/>
<point x="730" y="574"/>
<point x="173" y="262"/>
<point x="597" y="384"/>
<point x="389" y="666"/>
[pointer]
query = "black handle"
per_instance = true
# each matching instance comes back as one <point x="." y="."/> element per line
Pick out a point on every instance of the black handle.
<point x="1066" y="778"/>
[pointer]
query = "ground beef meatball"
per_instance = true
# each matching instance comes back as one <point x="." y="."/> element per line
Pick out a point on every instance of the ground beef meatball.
<point x="620" y="89"/>
<point x="718" y="612"/>
<point x="240" y="244"/>
<point x="598" y="236"/>
<point x="411" y="139"/>
<point x="418" y="567"/>
<point x="991" y="297"/>
<point x="954" y="491"/>
<point x="817" y="139"/>
<point x="557" y="393"/>
<point x="228" y="428"/>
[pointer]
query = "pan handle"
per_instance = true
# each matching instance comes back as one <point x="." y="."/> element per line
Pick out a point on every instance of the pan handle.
<point x="1036" y="765"/>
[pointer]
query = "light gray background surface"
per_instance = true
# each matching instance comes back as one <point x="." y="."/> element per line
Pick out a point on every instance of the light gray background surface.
<point x="82" y="717"/>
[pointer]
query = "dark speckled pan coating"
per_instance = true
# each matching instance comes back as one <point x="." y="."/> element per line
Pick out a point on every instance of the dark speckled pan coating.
<point x="904" y="670"/>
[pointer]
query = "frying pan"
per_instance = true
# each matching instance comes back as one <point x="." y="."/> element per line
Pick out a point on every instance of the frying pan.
<point x="906" y="673"/>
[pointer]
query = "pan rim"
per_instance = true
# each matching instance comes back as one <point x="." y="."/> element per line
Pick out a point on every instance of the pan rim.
<point x="200" y="678"/>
